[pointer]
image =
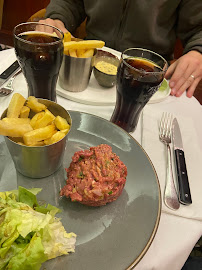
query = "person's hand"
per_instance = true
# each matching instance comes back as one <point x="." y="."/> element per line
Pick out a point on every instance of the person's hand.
<point x="185" y="74"/>
<point x="57" y="23"/>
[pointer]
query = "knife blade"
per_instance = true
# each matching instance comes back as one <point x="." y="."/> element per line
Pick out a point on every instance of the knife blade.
<point x="5" y="76"/>
<point x="181" y="169"/>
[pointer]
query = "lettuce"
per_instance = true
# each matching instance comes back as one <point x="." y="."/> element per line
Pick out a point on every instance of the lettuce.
<point x="30" y="233"/>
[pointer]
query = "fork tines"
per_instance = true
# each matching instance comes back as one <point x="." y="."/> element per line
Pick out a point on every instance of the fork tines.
<point x="166" y="124"/>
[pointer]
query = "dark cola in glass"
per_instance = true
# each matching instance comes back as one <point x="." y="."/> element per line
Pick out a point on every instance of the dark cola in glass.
<point x="139" y="76"/>
<point x="39" y="50"/>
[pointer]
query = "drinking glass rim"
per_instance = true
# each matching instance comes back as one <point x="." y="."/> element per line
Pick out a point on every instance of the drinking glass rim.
<point x="141" y="71"/>
<point x="38" y="43"/>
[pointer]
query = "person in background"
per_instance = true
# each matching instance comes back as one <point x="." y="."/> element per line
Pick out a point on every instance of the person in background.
<point x="153" y="25"/>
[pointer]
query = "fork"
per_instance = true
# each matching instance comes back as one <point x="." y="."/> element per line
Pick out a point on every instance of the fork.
<point x="170" y="194"/>
<point x="8" y="88"/>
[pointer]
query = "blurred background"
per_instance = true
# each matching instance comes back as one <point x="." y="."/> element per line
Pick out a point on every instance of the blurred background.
<point x="15" y="12"/>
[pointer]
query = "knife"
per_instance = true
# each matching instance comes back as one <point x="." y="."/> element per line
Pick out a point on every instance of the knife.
<point x="5" y="76"/>
<point x="183" y="181"/>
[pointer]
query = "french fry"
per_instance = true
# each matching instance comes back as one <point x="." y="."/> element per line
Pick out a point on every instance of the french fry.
<point x="41" y="143"/>
<point x="61" y="123"/>
<point x="24" y="112"/>
<point x="35" y="118"/>
<point x="83" y="44"/>
<point x="88" y="53"/>
<point x="66" y="52"/>
<point x="38" y="131"/>
<point x="80" y="52"/>
<point x="13" y="130"/>
<point x="15" y="105"/>
<point x="55" y="138"/>
<point x="21" y="143"/>
<point x="65" y="131"/>
<point x="16" y="121"/>
<point x="67" y="36"/>
<point x="18" y="140"/>
<point x="40" y="134"/>
<point x="45" y="120"/>
<point x="72" y="53"/>
<point x="34" y="105"/>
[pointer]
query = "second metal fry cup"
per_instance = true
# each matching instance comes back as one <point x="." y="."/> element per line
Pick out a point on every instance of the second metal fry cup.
<point x="75" y="73"/>
<point x="39" y="161"/>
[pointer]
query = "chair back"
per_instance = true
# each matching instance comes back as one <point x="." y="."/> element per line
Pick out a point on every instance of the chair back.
<point x="39" y="15"/>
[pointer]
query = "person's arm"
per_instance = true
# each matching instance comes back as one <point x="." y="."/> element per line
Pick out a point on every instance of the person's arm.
<point x="186" y="72"/>
<point x="67" y="14"/>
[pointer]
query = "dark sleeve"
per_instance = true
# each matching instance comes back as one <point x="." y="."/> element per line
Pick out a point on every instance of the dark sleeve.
<point x="189" y="28"/>
<point x="70" y="12"/>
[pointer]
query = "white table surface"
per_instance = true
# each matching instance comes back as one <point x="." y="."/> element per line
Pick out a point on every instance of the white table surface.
<point x="176" y="236"/>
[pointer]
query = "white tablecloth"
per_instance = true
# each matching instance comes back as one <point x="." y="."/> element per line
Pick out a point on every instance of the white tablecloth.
<point x="177" y="234"/>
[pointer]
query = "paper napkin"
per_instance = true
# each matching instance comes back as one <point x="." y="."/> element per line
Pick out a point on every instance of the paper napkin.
<point x="158" y="155"/>
<point x="8" y="59"/>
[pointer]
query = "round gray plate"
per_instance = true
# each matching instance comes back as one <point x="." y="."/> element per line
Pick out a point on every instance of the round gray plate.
<point x="111" y="237"/>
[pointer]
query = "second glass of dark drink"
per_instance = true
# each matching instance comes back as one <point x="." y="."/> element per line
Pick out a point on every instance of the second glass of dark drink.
<point x="39" y="50"/>
<point x="139" y="76"/>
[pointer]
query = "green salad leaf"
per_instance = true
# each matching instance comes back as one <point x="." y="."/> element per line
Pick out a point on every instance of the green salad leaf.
<point x="30" y="234"/>
<point x="28" y="197"/>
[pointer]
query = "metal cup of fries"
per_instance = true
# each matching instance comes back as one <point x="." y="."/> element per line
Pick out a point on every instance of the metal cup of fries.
<point x="77" y="63"/>
<point x="75" y="73"/>
<point x="40" y="160"/>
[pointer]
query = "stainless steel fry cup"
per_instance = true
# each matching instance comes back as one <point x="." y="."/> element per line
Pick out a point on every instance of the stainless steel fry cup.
<point x="39" y="161"/>
<point x="75" y="73"/>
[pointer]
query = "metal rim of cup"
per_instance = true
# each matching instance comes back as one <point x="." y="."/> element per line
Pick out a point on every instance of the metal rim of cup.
<point x="145" y="50"/>
<point x="38" y="43"/>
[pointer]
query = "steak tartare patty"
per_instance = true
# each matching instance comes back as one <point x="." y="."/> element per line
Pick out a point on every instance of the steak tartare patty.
<point x="95" y="177"/>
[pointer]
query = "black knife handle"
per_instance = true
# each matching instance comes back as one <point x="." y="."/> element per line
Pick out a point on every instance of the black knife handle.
<point x="184" y="190"/>
<point x="9" y="70"/>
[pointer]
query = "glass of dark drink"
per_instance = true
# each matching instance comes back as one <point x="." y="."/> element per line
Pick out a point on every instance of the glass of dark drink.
<point x="139" y="76"/>
<point x="39" y="50"/>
